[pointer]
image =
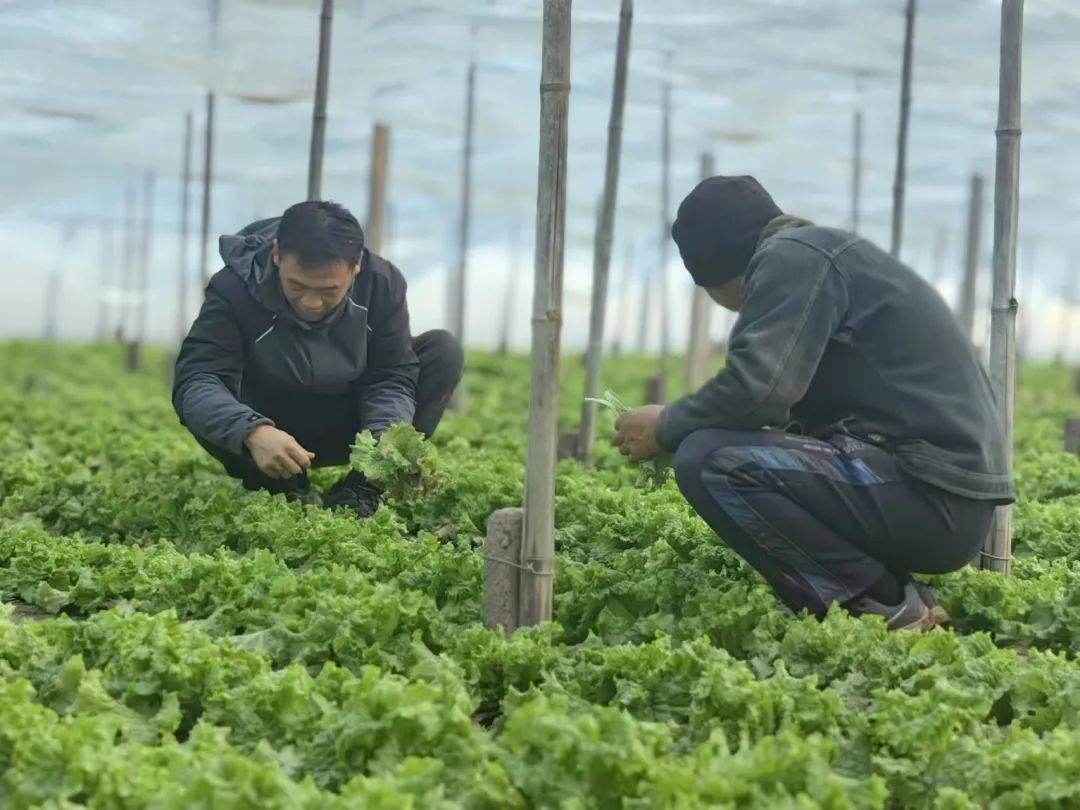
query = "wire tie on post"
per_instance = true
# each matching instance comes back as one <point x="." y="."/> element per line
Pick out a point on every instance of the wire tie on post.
<point x="513" y="564"/>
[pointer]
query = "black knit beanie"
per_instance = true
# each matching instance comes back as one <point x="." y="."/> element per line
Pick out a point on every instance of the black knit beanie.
<point x="718" y="226"/>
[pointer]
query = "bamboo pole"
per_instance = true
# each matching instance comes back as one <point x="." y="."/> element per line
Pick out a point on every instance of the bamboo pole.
<point x="698" y="349"/>
<point x="105" y="278"/>
<point x="538" y="547"/>
<point x="318" y="115"/>
<point x="208" y="179"/>
<point x="997" y="552"/>
<point x="665" y="228"/>
<point x="622" y="311"/>
<point x="510" y="296"/>
<point x="145" y="253"/>
<point x="1068" y="301"/>
<point x="380" y="164"/>
<point x="856" y="169"/>
<point x="55" y="282"/>
<point x="940" y="250"/>
<point x="459" y="280"/>
<point x="968" y="288"/>
<point x="182" y="251"/>
<point x="605" y="226"/>
<point x="127" y="268"/>
<point x="1027" y="288"/>
<point x="902" y="133"/>
<point x="643" y="311"/>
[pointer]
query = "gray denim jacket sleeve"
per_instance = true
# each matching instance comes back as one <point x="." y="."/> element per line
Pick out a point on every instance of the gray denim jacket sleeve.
<point x="206" y="384"/>
<point x="795" y="302"/>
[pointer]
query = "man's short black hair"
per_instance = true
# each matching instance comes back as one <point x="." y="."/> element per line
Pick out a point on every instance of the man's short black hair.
<point x="319" y="232"/>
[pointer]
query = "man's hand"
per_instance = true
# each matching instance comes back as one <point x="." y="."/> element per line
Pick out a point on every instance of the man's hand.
<point x="635" y="432"/>
<point x="277" y="453"/>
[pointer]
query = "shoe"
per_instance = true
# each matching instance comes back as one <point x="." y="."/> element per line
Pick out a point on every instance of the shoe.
<point x="355" y="493"/>
<point x="938" y="614"/>
<point x="307" y="497"/>
<point x="911" y="614"/>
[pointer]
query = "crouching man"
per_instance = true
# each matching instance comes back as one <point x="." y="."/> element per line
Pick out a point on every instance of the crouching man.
<point x="852" y="438"/>
<point x="303" y="341"/>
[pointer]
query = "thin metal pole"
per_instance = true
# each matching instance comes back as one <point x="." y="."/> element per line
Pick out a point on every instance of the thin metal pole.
<point x="701" y="308"/>
<point x="513" y="275"/>
<point x="856" y="170"/>
<point x="605" y="226"/>
<point x="208" y="179"/>
<point x="105" y="278"/>
<point x="998" y="549"/>
<point x="380" y="163"/>
<point x="968" y="288"/>
<point x="318" y="116"/>
<point x="665" y="228"/>
<point x="145" y="248"/>
<point x="902" y="133"/>
<point x="183" y="280"/>
<point x="538" y="547"/>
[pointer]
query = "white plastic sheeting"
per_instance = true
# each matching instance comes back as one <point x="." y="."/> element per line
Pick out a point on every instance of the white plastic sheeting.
<point x="96" y="90"/>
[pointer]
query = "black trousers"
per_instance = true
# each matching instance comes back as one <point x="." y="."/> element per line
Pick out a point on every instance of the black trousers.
<point x="823" y="520"/>
<point x="327" y="425"/>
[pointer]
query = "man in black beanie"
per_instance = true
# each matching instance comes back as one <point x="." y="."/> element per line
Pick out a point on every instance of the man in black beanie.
<point x="852" y="438"/>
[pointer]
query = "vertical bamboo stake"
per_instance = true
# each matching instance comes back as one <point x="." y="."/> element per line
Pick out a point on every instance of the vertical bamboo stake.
<point x="380" y="163"/>
<point x="998" y="549"/>
<point x="1027" y="287"/>
<point x="458" y="284"/>
<point x="856" y="170"/>
<point x="55" y="281"/>
<point x="513" y="275"/>
<point x="105" y="278"/>
<point x="968" y="288"/>
<point x="665" y="227"/>
<point x="459" y="278"/>
<point x="605" y="225"/>
<point x="701" y="307"/>
<point x="182" y="252"/>
<point x="145" y="247"/>
<point x="208" y="179"/>
<point x="622" y="312"/>
<point x="1068" y="300"/>
<point x="127" y="269"/>
<point x="318" y="116"/>
<point x="538" y="548"/>
<point x="643" y="311"/>
<point x="902" y="133"/>
<point x="941" y="246"/>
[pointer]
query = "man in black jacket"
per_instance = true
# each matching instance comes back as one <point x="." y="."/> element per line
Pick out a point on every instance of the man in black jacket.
<point x="852" y="438"/>
<point x="303" y="341"/>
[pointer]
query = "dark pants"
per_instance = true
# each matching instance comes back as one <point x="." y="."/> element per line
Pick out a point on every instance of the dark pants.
<point x="824" y="520"/>
<point x="326" y="425"/>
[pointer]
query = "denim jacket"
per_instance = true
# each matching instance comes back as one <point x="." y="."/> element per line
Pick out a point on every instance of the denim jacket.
<point x="837" y="335"/>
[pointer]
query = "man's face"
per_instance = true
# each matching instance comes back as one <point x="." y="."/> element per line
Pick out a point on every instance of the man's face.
<point x="730" y="295"/>
<point x="313" y="291"/>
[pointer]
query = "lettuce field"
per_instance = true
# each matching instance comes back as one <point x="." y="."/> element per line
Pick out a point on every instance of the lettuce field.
<point x="169" y="640"/>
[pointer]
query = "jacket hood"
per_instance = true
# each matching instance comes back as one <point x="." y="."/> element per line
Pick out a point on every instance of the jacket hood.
<point x="248" y="253"/>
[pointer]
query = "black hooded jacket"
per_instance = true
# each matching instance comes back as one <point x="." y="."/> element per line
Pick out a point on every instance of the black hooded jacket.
<point x="247" y="337"/>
